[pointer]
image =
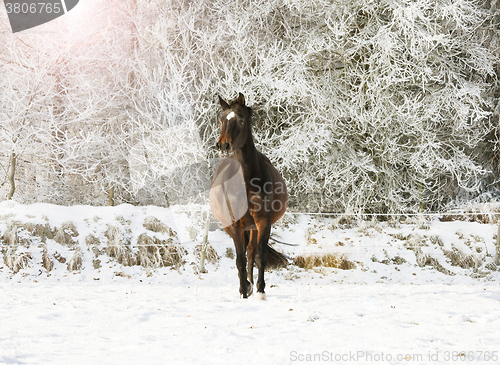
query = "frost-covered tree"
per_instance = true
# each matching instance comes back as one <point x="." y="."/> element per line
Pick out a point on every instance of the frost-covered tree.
<point x="364" y="106"/>
<point x="57" y="105"/>
<point x="26" y="107"/>
<point x="488" y="151"/>
<point x="383" y="102"/>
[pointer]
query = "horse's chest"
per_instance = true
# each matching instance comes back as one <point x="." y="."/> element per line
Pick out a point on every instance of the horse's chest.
<point x="228" y="196"/>
<point x="243" y="197"/>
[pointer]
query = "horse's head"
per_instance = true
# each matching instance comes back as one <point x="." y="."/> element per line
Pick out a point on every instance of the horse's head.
<point x="235" y="126"/>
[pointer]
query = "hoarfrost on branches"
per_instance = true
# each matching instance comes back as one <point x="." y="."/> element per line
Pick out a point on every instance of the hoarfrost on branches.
<point x="371" y="106"/>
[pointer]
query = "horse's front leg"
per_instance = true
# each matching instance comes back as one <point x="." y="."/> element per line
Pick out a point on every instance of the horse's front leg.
<point x="241" y="262"/>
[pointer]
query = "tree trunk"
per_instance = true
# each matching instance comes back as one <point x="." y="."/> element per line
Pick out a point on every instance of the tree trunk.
<point x="12" y="174"/>
<point x="111" y="196"/>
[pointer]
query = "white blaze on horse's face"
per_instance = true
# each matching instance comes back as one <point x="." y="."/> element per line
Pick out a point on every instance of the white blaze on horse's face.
<point x="230" y="115"/>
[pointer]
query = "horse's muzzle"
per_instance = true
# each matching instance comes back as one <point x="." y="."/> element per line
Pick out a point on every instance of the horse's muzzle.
<point x="224" y="148"/>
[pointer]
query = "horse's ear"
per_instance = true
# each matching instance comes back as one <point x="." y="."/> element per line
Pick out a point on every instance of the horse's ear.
<point x="241" y="99"/>
<point x="223" y="104"/>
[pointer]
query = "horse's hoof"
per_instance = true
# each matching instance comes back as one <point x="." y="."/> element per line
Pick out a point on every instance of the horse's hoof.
<point x="250" y="289"/>
<point x="260" y="296"/>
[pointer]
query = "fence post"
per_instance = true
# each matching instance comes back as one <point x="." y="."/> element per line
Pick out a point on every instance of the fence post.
<point x="497" y="256"/>
<point x="204" y="246"/>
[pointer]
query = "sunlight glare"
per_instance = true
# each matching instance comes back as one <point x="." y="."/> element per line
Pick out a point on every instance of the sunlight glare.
<point x="84" y="24"/>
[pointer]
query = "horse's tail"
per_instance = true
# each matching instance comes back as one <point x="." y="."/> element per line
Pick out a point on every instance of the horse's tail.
<point x="283" y="243"/>
<point x="275" y="259"/>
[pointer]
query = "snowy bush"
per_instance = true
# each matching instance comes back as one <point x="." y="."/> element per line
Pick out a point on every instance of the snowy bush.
<point x="364" y="106"/>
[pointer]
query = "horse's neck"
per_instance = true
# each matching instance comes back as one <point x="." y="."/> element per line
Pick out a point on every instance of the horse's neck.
<point x="248" y="157"/>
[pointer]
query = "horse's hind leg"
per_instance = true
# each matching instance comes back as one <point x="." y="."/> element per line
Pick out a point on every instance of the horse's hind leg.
<point x="261" y="257"/>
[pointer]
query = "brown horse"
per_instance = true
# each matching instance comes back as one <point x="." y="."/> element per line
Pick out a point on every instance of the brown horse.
<point x="248" y="195"/>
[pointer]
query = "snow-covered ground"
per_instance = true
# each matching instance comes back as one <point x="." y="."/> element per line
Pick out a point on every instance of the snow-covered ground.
<point x="419" y="292"/>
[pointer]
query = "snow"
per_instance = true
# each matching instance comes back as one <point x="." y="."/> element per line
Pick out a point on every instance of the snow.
<point x="376" y="313"/>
